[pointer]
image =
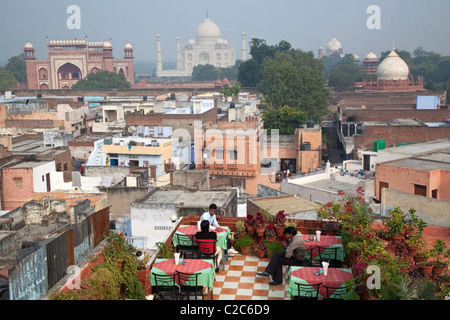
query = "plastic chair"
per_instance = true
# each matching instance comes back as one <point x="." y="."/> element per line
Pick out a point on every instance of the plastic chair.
<point x="189" y="284"/>
<point x="303" y="257"/>
<point x="307" y="291"/>
<point x="329" y="254"/>
<point x="207" y="248"/>
<point x="166" y="287"/>
<point x="186" y="244"/>
<point x="334" y="293"/>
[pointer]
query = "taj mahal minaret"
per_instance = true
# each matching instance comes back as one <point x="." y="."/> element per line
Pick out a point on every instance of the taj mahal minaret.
<point x="208" y="48"/>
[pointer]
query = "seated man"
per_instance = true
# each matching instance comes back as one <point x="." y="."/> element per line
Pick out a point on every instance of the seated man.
<point x="206" y="234"/>
<point x="274" y="268"/>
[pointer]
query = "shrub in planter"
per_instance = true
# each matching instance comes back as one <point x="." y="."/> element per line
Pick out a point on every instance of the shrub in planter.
<point x="439" y="250"/>
<point x="244" y="243"/>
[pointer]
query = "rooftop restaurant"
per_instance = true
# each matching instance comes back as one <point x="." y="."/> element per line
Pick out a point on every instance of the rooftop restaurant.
<point x="349" y="254"/>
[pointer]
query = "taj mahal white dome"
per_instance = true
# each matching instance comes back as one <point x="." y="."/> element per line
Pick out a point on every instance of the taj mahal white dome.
<point x="392" y="68"/>
<point x="207" y="32"/>
<point x="334" y="45"/>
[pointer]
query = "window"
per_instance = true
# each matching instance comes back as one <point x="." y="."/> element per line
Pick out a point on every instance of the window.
<point x="18" y="182"/>
<point x="434" y="193"/>
<point x="65" y="167"/>
<point x="420" y="190"/>
<point x="219" y="154"/>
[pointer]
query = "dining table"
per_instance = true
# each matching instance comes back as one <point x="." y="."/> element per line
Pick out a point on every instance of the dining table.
<point x="190" y="230"/>
<point x="203" y="267"/>
<point x="325" y="242"/>
<point x="311" y="275"/>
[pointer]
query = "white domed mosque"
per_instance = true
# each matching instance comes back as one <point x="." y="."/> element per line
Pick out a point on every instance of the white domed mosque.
<point x="333" y="46"/>
<point x="207" y="48"/>
<point x="392" y="75"/>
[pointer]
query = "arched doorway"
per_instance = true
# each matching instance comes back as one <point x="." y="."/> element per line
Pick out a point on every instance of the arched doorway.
<point x="43" y="86"/>
<point x="203" y="58"/>
<point x="69" y="71"/>
<point x="95" y="70"/>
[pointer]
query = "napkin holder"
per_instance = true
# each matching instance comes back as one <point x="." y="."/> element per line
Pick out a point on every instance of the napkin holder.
<point x="325" y="267"/>
<point x="318" y="235"/>
<point x="177" y="258"/>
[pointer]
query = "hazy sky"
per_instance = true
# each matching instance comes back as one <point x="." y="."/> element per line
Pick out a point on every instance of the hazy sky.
<point x="306" y="25"/>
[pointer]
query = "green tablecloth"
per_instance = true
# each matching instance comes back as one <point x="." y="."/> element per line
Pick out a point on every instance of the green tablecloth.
<point x="203" y="267"/>
<point x="192" y="230"/>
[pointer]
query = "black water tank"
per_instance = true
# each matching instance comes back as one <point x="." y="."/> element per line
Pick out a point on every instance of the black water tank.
<point x="231" y="105"/>
<point x="310" y="124"/>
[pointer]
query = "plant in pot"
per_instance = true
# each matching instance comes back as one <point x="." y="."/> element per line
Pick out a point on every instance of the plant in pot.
<point x="414" y="243"/>
<point x="244" y="243"/>
<point x="240" y="228"/>
<point x="439" y="250"/>
<point x="260" y="249"/>
<point x="413" y="224"/>
<point x="280" y="220"/>
<point x="250" y="223"/>
<point x="425" y="266"/>
<point x="396" y="224"/>
<point x="259" y="224"/>
<point x="272" y="247"/>
<point x="270" y="233"/>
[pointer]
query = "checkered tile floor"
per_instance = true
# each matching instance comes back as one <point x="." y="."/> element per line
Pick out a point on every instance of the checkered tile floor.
<point x="239" y="281"/>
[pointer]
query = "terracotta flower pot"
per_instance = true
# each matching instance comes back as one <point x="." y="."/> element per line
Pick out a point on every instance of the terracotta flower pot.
<point x="260" y="253"/>
<point x="419" y="258"/>
<point x="439" y="269"/>
<point x="260" y="231"/>
<point x="279" y="230"/>
<point x="244" y="250"/>
<point x="425" y="267"/>
<point x="251" y="230"/>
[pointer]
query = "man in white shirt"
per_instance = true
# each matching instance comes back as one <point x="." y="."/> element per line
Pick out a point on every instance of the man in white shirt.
<point x="210" y="215"/>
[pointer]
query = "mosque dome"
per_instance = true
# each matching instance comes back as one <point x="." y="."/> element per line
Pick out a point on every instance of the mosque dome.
<point x="128" y="46"/>
<point x="334" y="45"/>
<point x="371" y="56"/>
<point x="207" y="31"/>
<point x="107" y="44"/>
<point x="191" y="41"/>
<point x="392" y="68"/>
<point x="28" y="46"/>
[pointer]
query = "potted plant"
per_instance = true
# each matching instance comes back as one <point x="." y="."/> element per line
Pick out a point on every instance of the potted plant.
<point x="414" y="243"/>
<point x="250" y="223"/>
<point x="272" y="247"/>
<point x="259" y="224"/>
<point x="270" y="233"/>
<point x="240" y="228"/>
<point x="439" y="250"/>
<point x="280" y="220"/>
<point x="260" y="249"/>
<point x="413" y="224"/>
<point x="244" y="243"/>
<point x="396" y="224"/>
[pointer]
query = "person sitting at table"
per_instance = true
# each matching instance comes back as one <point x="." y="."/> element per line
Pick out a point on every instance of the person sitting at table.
<point x="274" y="268"/>
<point x="206" y="234"/>
<point x="210" y="216"/>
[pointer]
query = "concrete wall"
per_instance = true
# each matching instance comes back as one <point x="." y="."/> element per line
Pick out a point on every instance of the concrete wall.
<point x="198" y="179"/>
<point x="433" y="211"/>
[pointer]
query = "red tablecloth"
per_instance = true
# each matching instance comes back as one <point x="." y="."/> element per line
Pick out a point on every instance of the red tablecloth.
<point x="194" y="265"/>
<point x="192" y="230"/>
<point x="325" y="242"/>
<point x="335" y="277"/>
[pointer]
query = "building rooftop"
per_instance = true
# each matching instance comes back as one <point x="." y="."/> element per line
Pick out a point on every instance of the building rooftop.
<point x="187" y="199"/>
<point x="424" y="164"/>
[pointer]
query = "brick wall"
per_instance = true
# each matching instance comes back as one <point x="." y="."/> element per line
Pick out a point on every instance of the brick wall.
<point x="439" y="115"/>
<point x="17" y="187"/>
<point x="393" y="135"/>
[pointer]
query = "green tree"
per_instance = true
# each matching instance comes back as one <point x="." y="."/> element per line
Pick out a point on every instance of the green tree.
<point x="294" y="78"/>
<point x="102" y="80"/>
<point x="285" y="118"/>
<point x="7" y="80"/>
<point x="342" y="77"/>
<point x="205" y="72"/>
<point x="16" y="66"/>
<point x="228" y="91"/>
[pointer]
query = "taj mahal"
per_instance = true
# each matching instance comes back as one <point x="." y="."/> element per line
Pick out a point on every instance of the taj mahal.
<point x="207" y="48"/>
